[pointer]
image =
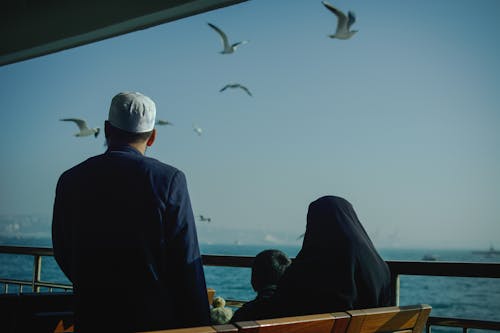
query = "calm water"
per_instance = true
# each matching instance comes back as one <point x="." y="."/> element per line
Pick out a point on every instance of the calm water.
<point x="454" y="297"/>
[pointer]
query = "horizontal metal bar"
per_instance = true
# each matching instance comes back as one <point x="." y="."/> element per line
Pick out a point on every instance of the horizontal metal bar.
<point x="227" y="261"/>
<point x="42" y="251"/>
<point x="464" y="323"/>
<point x="38" y="283"/>
<point x="13" y="281"/>
<point x="459" y="269"/>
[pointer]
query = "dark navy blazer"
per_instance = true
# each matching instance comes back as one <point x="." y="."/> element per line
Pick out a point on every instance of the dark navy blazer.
<point x="123" y="232"/>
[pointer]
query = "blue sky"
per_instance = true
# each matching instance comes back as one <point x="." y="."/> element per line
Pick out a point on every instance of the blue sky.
<point x="402" y="120"/>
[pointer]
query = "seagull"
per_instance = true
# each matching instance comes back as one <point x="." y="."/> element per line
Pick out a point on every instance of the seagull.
<point x="163" y="122"/>
<point x="197" y="129"/>
<point x="344" y="22"/>
<point x="228" y="48"/>
<point x="84" y="129"/>
<point x="236" y="85"/>
<point x="205" y="219"/>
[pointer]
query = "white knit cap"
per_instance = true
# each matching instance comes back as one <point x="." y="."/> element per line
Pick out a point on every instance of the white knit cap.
<point x="132" y="112"/>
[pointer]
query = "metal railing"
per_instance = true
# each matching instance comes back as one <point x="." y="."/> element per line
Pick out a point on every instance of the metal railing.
<point x="35" y="283"/>
<point x="398" y="268"/>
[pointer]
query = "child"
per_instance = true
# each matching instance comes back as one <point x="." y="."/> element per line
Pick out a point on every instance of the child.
<point x="267" y="269"/>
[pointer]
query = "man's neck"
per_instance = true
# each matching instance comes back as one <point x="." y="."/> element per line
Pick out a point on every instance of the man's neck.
<point x="140" y="147"/>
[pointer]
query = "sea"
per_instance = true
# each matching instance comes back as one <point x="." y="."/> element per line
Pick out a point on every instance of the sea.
<point x="466" y="298"/>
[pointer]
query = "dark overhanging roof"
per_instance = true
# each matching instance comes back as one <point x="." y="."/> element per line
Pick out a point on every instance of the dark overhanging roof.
<point x="32" y="28"/>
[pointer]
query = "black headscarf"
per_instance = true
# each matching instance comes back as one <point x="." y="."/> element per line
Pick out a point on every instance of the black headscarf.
<point x="338" y="267"/>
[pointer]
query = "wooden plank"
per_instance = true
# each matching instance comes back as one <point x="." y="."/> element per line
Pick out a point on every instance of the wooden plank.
<point x="405" y="318"/>
<point x="422" y="319"/>
<point x="341" y="322"/>
<point x="318" y="323"/>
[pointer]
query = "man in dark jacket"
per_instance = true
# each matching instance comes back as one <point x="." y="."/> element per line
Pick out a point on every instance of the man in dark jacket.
<point x="123" y="232"/>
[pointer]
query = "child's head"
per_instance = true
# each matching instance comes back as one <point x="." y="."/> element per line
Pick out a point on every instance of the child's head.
<point x="268" y="267"/>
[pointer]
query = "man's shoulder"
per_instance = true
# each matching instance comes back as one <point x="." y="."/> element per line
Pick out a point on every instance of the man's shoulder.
<point x="78" y="167"/>
<point x="159" y="166"/>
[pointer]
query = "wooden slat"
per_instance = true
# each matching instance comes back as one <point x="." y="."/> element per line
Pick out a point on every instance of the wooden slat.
<point x="341" y="322"/>
<point x="422" y="319"/>
<point x="405" y="318"/>
<point x="318" y="323"/>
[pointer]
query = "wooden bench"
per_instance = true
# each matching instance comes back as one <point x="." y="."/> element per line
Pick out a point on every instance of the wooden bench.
<point x="317" y="323"/>
<point x="389" y="319"/>
<point x="401" y="319"/>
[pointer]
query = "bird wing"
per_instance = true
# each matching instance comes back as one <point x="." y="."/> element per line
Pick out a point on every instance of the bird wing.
<point x="352" y="19"/>
<point x="82" y="124"/>
<point x="235" y="45"/>
<point x="222" y="35"/>
<point x="163" y="122"/>
<point x="245" y="89"/>
<point x="224" y="88"/>
<point x="342" y="18"/>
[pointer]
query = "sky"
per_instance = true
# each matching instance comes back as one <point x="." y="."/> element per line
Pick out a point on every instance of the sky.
<point x="402" y="120"/>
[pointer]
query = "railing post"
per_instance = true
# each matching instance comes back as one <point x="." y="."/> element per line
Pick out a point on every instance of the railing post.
<point x="395" y="288"/>
<point x="37" y="271"/>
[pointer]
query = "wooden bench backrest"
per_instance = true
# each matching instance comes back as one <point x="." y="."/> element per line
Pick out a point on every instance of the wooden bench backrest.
<point x="389" y="319"/>
<point x="318" y="323"/>
<point x="407" y="319"/>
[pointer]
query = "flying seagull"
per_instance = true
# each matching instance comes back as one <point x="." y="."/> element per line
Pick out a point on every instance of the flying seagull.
<point x="228" y="48"/>
<point x="163" y="122"/>
<point x="235" y="86"/>
<point x="84" y="129"/>
<point x="197" y="129"/>
<point x="205" y="219"/>
<point x="343" y="24"/>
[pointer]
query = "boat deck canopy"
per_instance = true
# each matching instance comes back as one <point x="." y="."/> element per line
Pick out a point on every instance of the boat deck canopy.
<point x="32" y="28"/>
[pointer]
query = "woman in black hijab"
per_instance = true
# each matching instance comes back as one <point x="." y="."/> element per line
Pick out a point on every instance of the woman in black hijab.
<point x="337" y="269"/>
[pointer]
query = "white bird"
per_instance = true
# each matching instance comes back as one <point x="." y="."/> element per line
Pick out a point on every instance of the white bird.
<point x="84" y="129"/>
<point x="236" y="86"/>
<point x="343" y="24"/>
<point x="197" y="129"/>
<point x="228" y="48"/>
<point x="163" y="122"/>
